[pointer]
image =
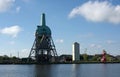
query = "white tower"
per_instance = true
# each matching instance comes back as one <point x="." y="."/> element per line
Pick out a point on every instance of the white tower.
<point x="76" y="53"/>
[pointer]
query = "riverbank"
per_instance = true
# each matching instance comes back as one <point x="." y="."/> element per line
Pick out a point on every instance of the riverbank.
<point x="66" y="63"/>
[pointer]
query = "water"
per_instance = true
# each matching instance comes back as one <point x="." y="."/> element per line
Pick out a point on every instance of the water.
<point x="61" y="70"/>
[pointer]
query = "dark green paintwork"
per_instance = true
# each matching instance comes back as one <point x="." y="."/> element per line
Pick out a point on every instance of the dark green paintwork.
<point x="43" y="29"/>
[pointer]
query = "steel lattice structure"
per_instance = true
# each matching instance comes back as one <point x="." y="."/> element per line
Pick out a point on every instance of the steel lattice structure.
<point x="43" y="49"/>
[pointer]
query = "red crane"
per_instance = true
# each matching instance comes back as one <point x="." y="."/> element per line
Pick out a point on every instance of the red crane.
<point x="103" y="59"/>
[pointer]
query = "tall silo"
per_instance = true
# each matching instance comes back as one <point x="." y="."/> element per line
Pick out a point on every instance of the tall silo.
<point x="76" y="52"/>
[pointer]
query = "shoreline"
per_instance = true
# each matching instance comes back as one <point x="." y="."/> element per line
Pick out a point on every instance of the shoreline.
<point x="60" y="63"/>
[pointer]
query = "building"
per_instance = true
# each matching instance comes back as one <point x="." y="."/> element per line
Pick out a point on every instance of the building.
<point x="65" y="58"/>
<point x="76" y="52"/>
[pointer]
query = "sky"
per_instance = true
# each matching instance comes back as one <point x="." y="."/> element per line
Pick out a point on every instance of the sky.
<point x="94" y="24"/>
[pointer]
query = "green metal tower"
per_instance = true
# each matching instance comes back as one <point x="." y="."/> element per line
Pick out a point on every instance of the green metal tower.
<point x="43" y="49"/>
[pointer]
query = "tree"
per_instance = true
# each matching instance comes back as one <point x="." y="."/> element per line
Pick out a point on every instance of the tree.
<point x="85" y="57"/>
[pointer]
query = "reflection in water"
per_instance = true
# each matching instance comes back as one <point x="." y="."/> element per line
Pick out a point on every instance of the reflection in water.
<point x="61" y="70"/>
<point x="42" y="70"/>
<point x="75" y="70"/>
<point x="104" y="71"/>
<point x="55" y="70"/>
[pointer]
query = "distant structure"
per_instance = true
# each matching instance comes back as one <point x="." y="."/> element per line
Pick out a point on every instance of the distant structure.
<point x="43" y="49"/>
<point x="76" y="52"/>
<point x="103" y="59"/>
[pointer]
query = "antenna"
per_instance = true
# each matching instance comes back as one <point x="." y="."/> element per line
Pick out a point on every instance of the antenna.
<point x="18" y="54"/>
<point x="85" y="50"/>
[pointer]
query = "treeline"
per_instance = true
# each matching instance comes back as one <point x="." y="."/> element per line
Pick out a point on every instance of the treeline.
<point x="84" y="58"/>
<point x="90" y="58"/>
<point x="12" y="60"/>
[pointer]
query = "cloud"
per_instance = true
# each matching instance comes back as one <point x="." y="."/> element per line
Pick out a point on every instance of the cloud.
<point x="5" y="5"/>
<point x="95" y="46"/>
<point x="12" y="31"/>
<point x="96" y="11"/>
<point x="59" y="40"/>
<point x="26" y="1"/>
<point x="24" y="50"/>
<point x="12" y="42"/>
<point x="110" y="42"/>
<point x="24" y="53"/>
<point x="18" y="9"/>
<point x="88" y="35"/>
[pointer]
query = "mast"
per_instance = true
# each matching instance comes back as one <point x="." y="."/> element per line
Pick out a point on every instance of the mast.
<point x="43" y="22"/>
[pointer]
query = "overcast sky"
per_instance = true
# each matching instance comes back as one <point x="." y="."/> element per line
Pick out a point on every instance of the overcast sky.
<point x="95" y="24"/>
